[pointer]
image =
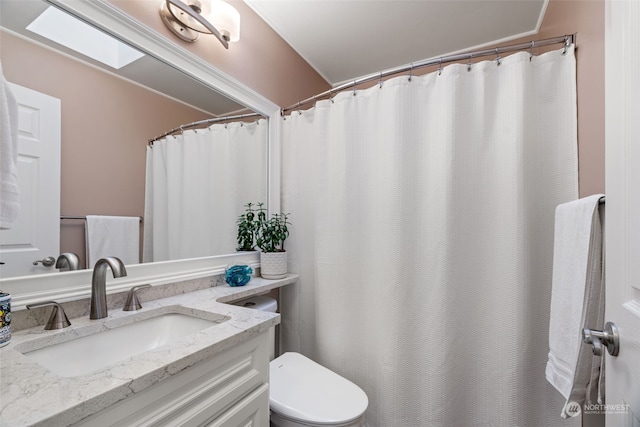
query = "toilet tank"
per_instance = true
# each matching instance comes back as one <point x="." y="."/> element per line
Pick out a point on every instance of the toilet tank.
<point x="259" y="302"/>
<point x="263" y="303"/>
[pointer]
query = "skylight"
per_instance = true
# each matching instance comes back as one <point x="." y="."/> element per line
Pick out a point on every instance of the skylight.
<point x="68" y="31"/>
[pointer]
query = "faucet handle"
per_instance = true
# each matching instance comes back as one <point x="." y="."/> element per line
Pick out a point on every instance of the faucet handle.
<point x="58" y="318"/>
<point x="133" y="303"/>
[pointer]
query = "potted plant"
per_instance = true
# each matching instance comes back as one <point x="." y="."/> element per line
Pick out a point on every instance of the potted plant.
<point x="248" y="224"/>
<point x="270" y="238"/>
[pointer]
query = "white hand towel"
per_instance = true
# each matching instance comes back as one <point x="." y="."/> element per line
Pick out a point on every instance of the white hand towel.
<point x="9" y="192"/>
<point x="117" y="236"/>
<point x="577" y="300"/>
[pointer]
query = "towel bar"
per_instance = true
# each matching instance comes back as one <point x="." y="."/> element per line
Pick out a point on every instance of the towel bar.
<point x="84" y="218"/>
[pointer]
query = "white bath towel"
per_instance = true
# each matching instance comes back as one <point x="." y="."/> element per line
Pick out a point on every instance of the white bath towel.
<point x="9" y="192"/>
<point x="117" y="236"/>
<point x="577" y="298"/>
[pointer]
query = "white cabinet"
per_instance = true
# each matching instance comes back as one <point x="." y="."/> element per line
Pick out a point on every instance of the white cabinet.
<point x="229" y="390"/>
<point x="247" y="413"/>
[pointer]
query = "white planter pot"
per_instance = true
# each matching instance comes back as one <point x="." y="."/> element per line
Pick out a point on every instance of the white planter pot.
<point x="273" y="265"/>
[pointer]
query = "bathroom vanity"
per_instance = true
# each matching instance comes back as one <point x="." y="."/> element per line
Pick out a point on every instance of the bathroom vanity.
<point x="208" y="365"/>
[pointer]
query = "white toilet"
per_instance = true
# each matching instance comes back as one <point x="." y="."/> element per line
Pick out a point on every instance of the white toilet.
<point x="304" y="393"/>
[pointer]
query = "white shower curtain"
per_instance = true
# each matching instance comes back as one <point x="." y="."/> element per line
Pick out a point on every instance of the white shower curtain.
<point x="197" y="184"/>
<point x="422" y="231"/>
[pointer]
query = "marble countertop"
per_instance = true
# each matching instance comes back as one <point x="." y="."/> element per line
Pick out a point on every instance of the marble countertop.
<point x="32" y="395"/>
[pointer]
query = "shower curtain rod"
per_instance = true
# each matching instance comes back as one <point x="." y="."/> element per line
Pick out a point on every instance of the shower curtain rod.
<point x="203" y="122"/>
<point x="566" y="40"/>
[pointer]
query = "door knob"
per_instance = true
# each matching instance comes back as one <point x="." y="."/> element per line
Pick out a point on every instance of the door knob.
<point x="47" y="262"/>
<point x="608" y="337"/>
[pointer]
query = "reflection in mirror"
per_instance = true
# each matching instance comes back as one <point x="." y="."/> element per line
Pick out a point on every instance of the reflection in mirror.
<point x="196" y="189"/>
<point x="106" y="117"/>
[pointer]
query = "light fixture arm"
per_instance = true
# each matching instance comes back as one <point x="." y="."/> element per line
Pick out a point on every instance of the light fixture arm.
<point x="186" y="9"/>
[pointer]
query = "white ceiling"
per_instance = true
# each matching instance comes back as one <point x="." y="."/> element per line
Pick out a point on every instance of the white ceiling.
<point x="347" y="39"/>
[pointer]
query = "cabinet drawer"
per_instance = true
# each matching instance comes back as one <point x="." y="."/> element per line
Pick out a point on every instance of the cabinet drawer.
<point x="252" y="411"/>
<point x="199" y="393"/>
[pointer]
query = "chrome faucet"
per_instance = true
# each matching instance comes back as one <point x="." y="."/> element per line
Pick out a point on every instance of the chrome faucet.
<point x="99" y="285"/>
<point x="68" y="261"/>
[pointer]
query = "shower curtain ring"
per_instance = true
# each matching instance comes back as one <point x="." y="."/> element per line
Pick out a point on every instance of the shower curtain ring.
<point x="440" y="66"/>
<point x="331" y="96"/>
<point x="354" y="88"/>
<point x="410" y="71"/>
<point x="469" y="63"/>
<point x="380" y="80"/>
<point x="498" y="59"/>
<point x="566" y="44"/>
<point x="533" y="44"/>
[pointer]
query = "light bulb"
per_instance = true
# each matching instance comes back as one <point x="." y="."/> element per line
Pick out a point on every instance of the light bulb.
<point x="226" y="19"/>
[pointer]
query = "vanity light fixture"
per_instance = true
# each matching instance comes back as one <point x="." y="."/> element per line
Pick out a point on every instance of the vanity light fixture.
<point x="188" y="18"/>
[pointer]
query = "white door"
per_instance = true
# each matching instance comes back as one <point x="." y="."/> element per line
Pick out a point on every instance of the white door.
<point x="622" y="89"/>
<point x="36" y="233"/>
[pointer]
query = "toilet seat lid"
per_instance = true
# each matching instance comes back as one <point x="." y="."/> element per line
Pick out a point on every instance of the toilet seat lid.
<point x="302" y="390"/>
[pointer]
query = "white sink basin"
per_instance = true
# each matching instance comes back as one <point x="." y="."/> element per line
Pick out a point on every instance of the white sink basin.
<point x="99" y="350"/>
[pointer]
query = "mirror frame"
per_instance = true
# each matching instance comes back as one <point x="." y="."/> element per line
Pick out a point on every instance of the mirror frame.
<point x="74" y="285"/>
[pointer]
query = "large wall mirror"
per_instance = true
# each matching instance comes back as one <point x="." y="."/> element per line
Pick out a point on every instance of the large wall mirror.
<point x="102" y="159"/>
